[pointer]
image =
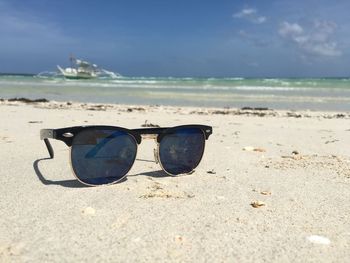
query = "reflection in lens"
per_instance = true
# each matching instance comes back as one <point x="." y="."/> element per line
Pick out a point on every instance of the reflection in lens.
<point x="181" y="150"/>
<point x="102" y="156"/>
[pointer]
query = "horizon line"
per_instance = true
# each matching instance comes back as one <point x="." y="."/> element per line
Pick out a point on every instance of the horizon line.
<point x="199" y="77"/>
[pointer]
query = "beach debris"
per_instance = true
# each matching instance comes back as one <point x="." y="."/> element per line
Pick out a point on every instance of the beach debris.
<point x="99" y="107"/>
<point x="6" y="139"/>
<point x="253" y="149"/>
<point x="212" y="171"/>
<point x="257" y="204"/>
<point x="259" y="150"/>
<point x="244" y="111"/>
<point x="156" y="186"/>
<point x="135" y="109"/>
<point x="166" y="195"/>
<point x="189" y="195"/>
<point x="35" y="121"/>
<point x="149" y="125"/>
<point x="179" y="239"/>
<point x="153" y="194"/>
<point x="295" y="156"/>
<point x="262" y="192"/>
<point x="157" y="191"/>
<point x="26" y="100"/>
<point x="256" y="108"/>
<point x="88" y="211"/>
<point x="319" y="240"/>
<point x="332" y="141"/>
<point x="294" y="115"/>
<point x="222" y="112"/>
<point x="340" y="115"/>
<point x="12" y="249"/>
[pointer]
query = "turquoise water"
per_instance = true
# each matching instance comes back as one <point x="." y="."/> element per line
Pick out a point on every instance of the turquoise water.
<point x="314" y="94"/>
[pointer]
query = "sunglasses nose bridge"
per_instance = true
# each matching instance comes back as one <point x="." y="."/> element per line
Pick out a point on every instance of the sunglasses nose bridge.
<point x="149" y="136"/>
<point x="155" y="138"/>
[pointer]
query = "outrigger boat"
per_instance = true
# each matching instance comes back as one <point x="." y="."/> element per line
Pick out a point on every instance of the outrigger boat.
<point x="79" y="69"/>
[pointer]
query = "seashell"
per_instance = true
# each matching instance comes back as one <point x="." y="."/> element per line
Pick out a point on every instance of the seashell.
<point x="253" y="149"/>
<point x="259" y="150"/>
<point x="318" y="240"/>
<point x="248" y="148"/>
<point x="257" y="204"/>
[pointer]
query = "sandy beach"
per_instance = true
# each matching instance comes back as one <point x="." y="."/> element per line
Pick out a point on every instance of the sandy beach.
<point x="273" y="186"/>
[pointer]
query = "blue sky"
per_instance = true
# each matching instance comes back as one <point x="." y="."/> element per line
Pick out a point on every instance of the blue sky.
<point x="260" y="38"/>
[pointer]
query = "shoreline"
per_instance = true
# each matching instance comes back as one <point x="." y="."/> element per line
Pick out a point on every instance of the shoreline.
<point x="245" y="111"/>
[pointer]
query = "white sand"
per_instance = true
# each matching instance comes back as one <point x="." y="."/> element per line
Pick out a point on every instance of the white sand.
<point x="47" y="216"/>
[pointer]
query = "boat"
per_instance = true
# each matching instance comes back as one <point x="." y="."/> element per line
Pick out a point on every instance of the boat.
<point x="79" y="69"/>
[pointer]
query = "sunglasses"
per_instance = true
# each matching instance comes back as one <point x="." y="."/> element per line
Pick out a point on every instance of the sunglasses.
<point x="105" y="154"/>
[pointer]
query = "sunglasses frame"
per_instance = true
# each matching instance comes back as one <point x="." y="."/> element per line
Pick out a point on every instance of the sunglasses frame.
<point x="67" y="135"/>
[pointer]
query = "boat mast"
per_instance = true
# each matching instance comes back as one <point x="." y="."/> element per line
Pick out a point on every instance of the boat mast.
<point x="72" y="59"/>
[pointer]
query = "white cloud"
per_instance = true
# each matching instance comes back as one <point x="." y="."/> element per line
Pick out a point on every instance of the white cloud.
<point x="246" y="12"/>
<point x="251" y="15"/>
<point x="313" y="40"/>
<point x="287" y="29"/>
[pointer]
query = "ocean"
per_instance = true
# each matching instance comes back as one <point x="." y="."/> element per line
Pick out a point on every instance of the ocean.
<point x="331" y="94"/>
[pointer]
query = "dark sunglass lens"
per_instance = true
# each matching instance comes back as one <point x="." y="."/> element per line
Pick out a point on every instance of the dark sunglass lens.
<point x="181" y="150"/>
<point x="102" y="156"/>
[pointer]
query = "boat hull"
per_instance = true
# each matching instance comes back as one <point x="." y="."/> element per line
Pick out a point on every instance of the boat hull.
<point x="78" y="77"/>
<point x="73" y="74"/>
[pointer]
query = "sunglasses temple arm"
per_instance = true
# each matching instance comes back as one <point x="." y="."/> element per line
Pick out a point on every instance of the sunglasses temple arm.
<point x="44" y="135"/>
<point x="49" y="148"/>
